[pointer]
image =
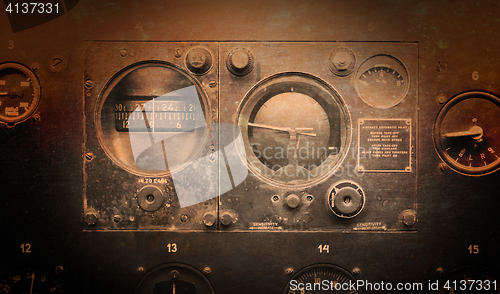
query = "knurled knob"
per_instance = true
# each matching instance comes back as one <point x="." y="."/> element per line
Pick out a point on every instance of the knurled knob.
<point x="240" y="61"/>
<point x="199" y="60"/>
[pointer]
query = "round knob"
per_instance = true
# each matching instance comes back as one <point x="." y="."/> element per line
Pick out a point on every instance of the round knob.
<point x="240" y="61"/>
<point x="292" y="201"/>
<point x="346" y="200"/>
<point x="199" y="60"/>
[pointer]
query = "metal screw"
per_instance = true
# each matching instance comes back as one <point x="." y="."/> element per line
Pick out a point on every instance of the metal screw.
<point x="309" y="198"/>
<point x="441" y="66"/>
<point x="124" y="53"/>
<point x="184" y="218"/>
<point x="141" y="270"/>
<point x="207" y="270"/>
<point x="442" y="166"/>
<point x="57" y="64"/>
<point x="209" y="220"/>
<point x="441" y="99"/>
<point x="34" y="67"/>
<point x="212" y="84"/>
<point x="289" y="271"/>
<point x="178" y="53"/>
<point x="89" y="156"/>
<point x="275" y="198"/>
<point x="117" y="218"/>
<point x="226" y="219"/>
<point x="36" y="117"/>
<point x="89" y="84"/>
<point x="439" y="270"/>
<point x="356" y="271"/>
<point x="91" y="219"/>
<point x="59" y="269"/>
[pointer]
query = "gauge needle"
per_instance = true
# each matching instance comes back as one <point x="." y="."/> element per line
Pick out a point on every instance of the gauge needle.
<point x="474" y="131"/>
<point x="12" y="94"/>
<point x="32" y="278"/>
<point x="296" y="130"/>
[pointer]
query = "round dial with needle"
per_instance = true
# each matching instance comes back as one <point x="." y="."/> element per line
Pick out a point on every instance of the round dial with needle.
<point x="470" y="280"/>
<point x="331" y="279"/>
<point x="19" y="93"/>
<point x="295" y="129"/>
<point x="382" y="81"/>
<point x="467" y="133"/>
<point x="30" y="279"/>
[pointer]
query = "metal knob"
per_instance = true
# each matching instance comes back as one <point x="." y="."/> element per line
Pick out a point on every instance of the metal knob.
<point x="240" y="61"/>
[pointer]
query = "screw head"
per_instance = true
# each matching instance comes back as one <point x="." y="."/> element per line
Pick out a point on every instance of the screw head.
<point x="289" y="271"/>
<point x="207" y="270"/>
<point x="184" y="218"/>
<point x="178" y="53"/>
<point x="441" y="66"/>
<point x="117" y="218"/>
<point x="36" y="117"/>
<point x="90" y="218"/>
<point x="59" y="269"/>
<point x="439" y="270"/>
<point x="141" y="270"/>
<point x="356" y="271"/>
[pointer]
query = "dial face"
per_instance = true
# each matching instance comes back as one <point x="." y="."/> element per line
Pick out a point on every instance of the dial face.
<point x="174" y="278"/>
<point x="470" y="280"/>
<point x="150" y="119"/>
<point x="30" y="279"/>
<point x="295" y="129"/>
<point x="382" y="81"/>
<point x="19" y="93"/>
<point x="467" y="133"/>
<point x="331" y="279"/>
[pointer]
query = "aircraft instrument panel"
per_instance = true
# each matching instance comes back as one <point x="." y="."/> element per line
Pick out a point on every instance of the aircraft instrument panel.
<point x="283" y="147"/>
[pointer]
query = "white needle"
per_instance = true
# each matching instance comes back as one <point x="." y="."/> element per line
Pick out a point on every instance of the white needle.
<point x="285" y="129"/>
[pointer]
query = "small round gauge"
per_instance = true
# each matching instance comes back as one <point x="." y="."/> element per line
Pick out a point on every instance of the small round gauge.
<point x="328" y="279"/>
<point x="467" y="133"/>
<point x="382" y="81"/>
<point x="470" y="280"/>
<point x="30" y="279"/>
<point x="295" y="128"/>
<point x="150" y="119"/>
<point x="19" y="93"/>
<point x="174" y="278"/>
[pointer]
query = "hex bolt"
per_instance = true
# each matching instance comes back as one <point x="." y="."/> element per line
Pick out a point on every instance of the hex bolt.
<point x="408" y="217"/>
<point x="89" y="84"/>
<point x="207" y="270"/>
<point x="356" y="271"/>
<point x="209" y="220"/>
<point x="289" y="271"/>
<point x="90" y="218"/>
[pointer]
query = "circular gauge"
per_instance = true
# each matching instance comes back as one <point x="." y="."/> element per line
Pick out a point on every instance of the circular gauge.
<point x="346" y="199"/>
<point x="19" y="93"/>
<point x="174" y="278"/>
<point x="470" y="280"/>
<point x="330" y="278"/>
<point x="467" y="133"/>
<point x="382" y="81"/>
<point x="150" y="119"/>
<point x="296" y="129"/>
<point x="30" y="279"/>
